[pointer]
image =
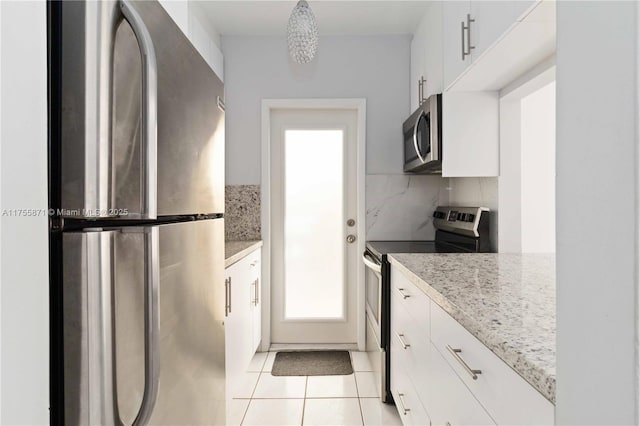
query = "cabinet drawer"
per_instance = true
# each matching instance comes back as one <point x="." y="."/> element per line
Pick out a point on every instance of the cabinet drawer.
<point x="506" y="396"/>
<point x="410" y="345"/>
<point x="448" y="400"/>
<point x="408" y="403"/>
<point x="411" y="298"/>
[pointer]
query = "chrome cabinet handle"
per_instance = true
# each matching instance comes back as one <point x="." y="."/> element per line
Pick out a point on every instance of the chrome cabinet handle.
<point x="456" y="354"/>
<point x="462" y="27"/>
<point x="256" y="293"/>
<point x="227" y="297"/>
<point x="467" y="28"/>
<point x="402" y="293"/>
<point x="149" y="116"/>
<point x="404" y="344"/>
<point x="404" y="409"/>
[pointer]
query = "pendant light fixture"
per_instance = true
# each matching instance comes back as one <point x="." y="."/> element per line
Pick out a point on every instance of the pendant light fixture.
<point x="302" y="33"/>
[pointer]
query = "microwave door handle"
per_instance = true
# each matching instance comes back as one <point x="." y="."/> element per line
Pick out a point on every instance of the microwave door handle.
<point x="415" y="138"/>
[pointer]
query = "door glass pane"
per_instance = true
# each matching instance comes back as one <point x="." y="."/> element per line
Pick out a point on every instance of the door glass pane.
<point x="314" y="269"/>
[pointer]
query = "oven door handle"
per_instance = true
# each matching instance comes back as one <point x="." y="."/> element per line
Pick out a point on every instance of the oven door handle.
<point x="370" y="263"/>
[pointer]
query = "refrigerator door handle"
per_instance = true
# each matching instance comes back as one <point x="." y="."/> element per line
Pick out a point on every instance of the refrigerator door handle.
<point x="151" y="326"/>
<point x="149" y="117"/>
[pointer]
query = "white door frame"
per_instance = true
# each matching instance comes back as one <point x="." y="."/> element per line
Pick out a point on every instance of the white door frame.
<point x="360" y="106"/>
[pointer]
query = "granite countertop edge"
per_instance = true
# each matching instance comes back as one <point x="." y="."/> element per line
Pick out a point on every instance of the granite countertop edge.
<point x="542" y="380"/>
<point x="238" y="250"/>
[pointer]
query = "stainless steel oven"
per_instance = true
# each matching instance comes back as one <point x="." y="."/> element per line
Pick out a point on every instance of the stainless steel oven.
<point x="376" y="314"/>
<point x="458" y="230"/>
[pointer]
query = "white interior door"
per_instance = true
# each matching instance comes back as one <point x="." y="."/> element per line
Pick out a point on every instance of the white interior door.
<point x="313" y="214"/>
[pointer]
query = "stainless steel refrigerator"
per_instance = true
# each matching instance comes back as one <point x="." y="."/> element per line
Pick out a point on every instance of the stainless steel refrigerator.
<point x="137" y="228"/>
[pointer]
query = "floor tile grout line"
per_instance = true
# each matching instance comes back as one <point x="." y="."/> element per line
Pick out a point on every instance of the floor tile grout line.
<point x="304" y="401"/>
<point x="246" y="410"/>
<point x="355" y="378"/>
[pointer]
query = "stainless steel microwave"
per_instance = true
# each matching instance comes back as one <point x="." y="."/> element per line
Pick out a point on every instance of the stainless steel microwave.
<point x="423" y="138"/>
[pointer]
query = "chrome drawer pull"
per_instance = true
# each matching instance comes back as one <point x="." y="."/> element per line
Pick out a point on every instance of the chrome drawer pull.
<point x="404" y="409"/>
<point x="456" y="354"/>
<point x="403" y="294"/>
<point x="402" y="342"/>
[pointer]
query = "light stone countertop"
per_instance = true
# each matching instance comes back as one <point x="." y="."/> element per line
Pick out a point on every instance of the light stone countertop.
<point x="237" y="250"/>
<point x="507" y="301"/>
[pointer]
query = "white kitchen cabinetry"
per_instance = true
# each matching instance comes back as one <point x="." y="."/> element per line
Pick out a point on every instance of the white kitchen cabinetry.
<point x="409" y="344"/>
<point x="242" y="322"/>
<point x="448" y="401"/>
<point x="426" y="54"/>
<point x="470" y="28"/>
<point x="470" y="134"/>
<point x="500" y="390"/>
<point x="429" y="383"/>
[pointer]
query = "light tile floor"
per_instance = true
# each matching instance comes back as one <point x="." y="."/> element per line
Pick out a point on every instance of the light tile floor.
<point x="263" y="399"/>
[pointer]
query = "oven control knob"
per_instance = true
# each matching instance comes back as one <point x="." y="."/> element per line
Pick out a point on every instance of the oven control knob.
<point x="351" y="238"/>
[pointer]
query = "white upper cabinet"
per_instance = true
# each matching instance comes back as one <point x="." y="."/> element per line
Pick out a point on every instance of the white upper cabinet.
<point x="471" y="28"/>
<point x="470" y="134"/>
<point x="455" y="59"/>
<point x="492" y="20"/>
<point x="426" y="54"/>
<point x="418" y="57"/>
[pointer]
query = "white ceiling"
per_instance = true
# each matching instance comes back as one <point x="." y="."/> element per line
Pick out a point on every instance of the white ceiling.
<point x="335" y="17"/>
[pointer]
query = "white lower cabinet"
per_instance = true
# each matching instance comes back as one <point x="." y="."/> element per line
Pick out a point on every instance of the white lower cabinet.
<point x="243" y="312"/>
<point x="448" y="400"/>
<point x="428" y="380"/>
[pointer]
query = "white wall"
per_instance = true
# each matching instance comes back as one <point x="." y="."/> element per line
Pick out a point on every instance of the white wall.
<point x="597" y="213"/>
<point x="24" y="274"/>
<point x="538" y="171"/>
<point x="375" y="68"/>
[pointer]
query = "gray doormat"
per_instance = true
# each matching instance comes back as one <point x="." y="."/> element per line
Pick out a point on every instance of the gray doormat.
<point x="312" y="363"/>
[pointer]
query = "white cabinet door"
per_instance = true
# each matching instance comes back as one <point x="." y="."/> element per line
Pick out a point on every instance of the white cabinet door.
<point x="239" y="321"/>
<point x="448" y="400"/>
<point x="256" y="316"/>
<point x="426" y="54"/>
<point x="454" y="14"/>
<point x="418" y="50"/>
<point x="470" y="134"/>
<point x="433" y="45"/>
<point x="492" y="20"/>
<point x="255" y="298"/>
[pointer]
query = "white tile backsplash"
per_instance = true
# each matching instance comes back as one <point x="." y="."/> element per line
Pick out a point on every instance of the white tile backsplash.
<point x="399" y="207"/>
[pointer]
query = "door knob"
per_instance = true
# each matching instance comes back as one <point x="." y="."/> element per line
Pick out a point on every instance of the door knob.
<point x="351" y="238"/>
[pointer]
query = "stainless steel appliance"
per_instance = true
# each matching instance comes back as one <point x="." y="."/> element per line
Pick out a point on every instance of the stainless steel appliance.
<point x="422" y="133"/>
<point x="458" y="230"/>
<point x="137" y="235"/>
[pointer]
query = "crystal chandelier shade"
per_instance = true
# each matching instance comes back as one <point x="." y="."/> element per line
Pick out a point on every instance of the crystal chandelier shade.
<point x="302" y="33"/>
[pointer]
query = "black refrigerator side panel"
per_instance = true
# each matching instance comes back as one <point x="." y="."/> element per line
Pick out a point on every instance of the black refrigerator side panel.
<point x="56" y="361"/>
